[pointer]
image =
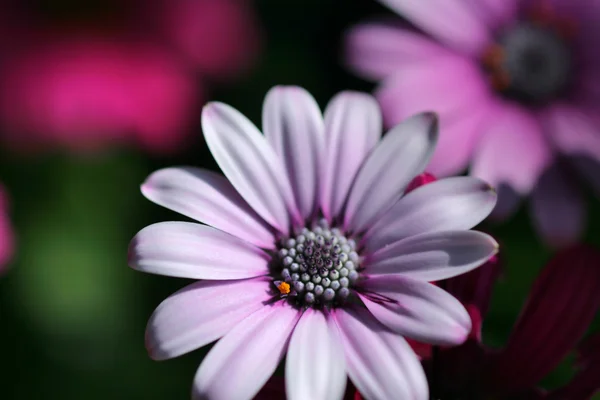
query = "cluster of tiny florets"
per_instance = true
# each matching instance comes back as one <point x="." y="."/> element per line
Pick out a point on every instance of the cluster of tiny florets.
<point x="317" y="266"/>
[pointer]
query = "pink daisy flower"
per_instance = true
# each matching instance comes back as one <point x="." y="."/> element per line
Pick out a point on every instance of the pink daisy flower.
<point x="310" y="249"/>
<point x="515" y="83"/>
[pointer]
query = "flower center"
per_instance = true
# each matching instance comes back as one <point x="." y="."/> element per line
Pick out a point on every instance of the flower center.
<point x="531" y="63"/>
<point x="317" y="266"/>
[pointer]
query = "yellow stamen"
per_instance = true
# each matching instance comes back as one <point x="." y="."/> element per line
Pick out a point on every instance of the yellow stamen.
<point x="284" y="287"/>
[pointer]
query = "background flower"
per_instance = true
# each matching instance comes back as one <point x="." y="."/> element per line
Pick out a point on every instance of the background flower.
<point x="514" y="82"/>
<point x="86" y="93"/>
<point x="136" y="81"/>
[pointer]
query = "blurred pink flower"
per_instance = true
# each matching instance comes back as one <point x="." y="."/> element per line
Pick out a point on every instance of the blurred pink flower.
<point x="88" y="92"/>
<point x="134" y="81"/>
<point x="516" y="85"/>
<point x="6" y="232"/>
<point x="311" y="249"/>
<point x="219" y="37"/>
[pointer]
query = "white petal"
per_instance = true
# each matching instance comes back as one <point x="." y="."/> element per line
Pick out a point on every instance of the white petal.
<point x="380" y="363"/>
<point x="201" y="313"/>
<point x="244" y="359"/>
<point x="209" y="198"/>
<point x="398" y="158"/>
<point x="189" y="250"/>
<point x="433" y="256"/>
<point x="449" y="204"/>
<point x="352" y="126"/>
<point x="315" y="367"/>
<point x="250" y="164"/>
<point x="293" y="124"/>
<point x="417" y="309"/>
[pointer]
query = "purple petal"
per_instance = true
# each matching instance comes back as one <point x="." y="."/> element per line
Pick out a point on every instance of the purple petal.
<point x="201" y="313"/>
<point x="582" y="9"/>
<point x="380" y="363"/>
<point x="558" y="208"/>
<point x="293" y="124"/>
<point x="315" y="367"/>
<point x="572" y="131"/>
<point x="250" y="164"/>
<point x="458" y="138"/>
<point x="507" y="203"/>
<point x="244" y="359"/>
<point x="189" y="250"/>
<point x="450" y="21"/>
<point x="418" y="310"/>
<point x="433" y="256"/>
<point x="377" y="51"/>
<point x="209" y="198"/>
<point x="400" y="156"/>
<point x="452" y="91"/>
<point x="447" y="204"/>
<point x="495" y="13"/>
<point x="458" y="93"/>
<point x="561" y="305"/>
<point x="353" y="128"/>
<point x="513" y="150"/>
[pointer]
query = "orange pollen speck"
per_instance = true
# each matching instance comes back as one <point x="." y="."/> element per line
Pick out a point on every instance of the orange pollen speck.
<point x="492" y="59"/>
<point x="284" y="287"/>
<point x="493" y="56"/>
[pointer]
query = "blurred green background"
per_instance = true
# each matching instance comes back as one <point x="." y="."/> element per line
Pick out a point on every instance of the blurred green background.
<point x="73" y="315"/>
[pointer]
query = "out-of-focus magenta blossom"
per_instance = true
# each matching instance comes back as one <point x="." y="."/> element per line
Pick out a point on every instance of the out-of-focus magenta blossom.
<point x="6" y="232"/>
<point x="561" y="305"/>
<point x="517" y="87"/>
<point x="219" y="37"/>
<point x="311" y="249"/>
<point x="135" y="82"/>
<point x="89" y="92"/>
